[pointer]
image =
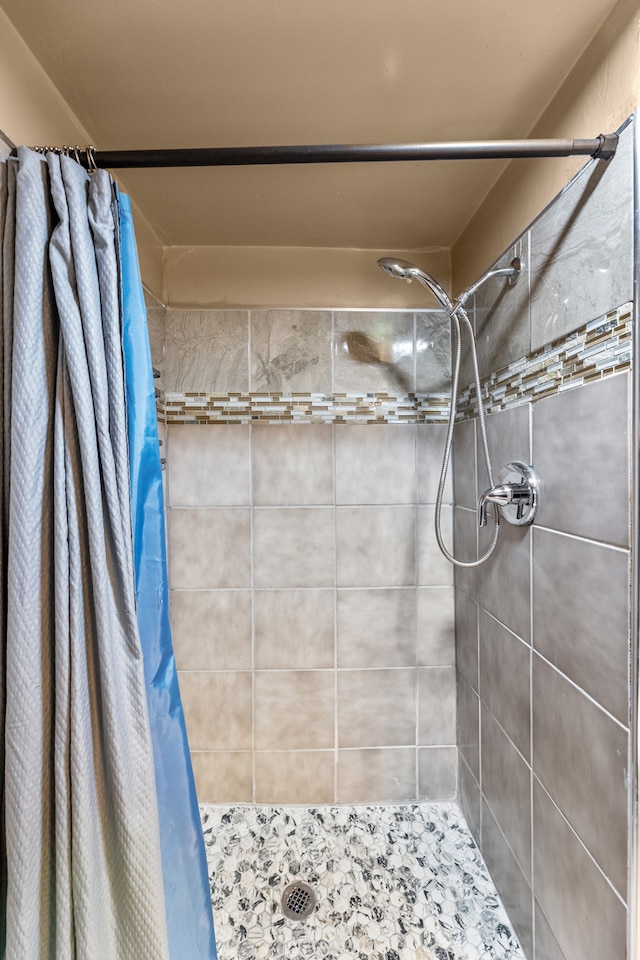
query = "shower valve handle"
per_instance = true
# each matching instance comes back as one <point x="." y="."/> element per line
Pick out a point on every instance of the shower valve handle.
<point x="516" y="493"/>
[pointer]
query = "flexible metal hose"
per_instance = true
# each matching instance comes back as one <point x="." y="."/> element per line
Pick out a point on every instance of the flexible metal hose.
<point x="456" y="313"/>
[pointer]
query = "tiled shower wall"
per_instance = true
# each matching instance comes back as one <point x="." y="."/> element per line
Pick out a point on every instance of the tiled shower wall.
<point x="543" y="630"/>
<point x="312" y="614"/>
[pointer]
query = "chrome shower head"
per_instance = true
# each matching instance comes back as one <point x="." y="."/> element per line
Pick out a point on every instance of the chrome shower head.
<point x="403" y="270"/>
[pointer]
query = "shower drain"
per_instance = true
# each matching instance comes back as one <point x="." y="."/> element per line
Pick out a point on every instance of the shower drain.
<point x="298" y="900"/>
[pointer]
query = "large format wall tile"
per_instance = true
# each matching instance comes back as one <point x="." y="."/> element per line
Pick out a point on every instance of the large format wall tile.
<point x="210" y="548"/>
<point x="374" y="352"/>
<point x="207" y="350"/>
<point x="292" y="470"/>
<point x="507" y="874"/>
<point x="584" y="914"/>
<point x="376" y="708"/>
<point x="509" y="439"/>
<point x="208" y="466"/>
<point x="580" y="756"/>
<point x="293" y="547"/>
<point x="504" y="680"/>
<point x="431" y="441"/>
<point x="465" y="485"/>
<point x="582" y="248"/>
<point x="582" y="462"/>
<point x="291" y="350"/>
<point x="433" y="568"/>
<point x="375" y="546"/>
<point x="376" y="775"/>
<point x="294" y="709"/>
<point x="436" y="706"/>
<point x="433" y="352"/>
<point x="211" y="629"/>
<point x="436" y="627"/>
<point x="502" y="320"/>
<point x="376" y="465"/>
<point x="581" y="614"/>
<point x="223" y="776"/>
<point x="504" y="580"/>
<point x="506" y="785"/>
<point x="376" y="628"/>
<point x="467" y="638"/>
<point x="294" y="629"/>
<point x="468" y="724"/>
<point x="437" y="773"/>
<point x="217" y="709"/>
<point x="295" y="776"/>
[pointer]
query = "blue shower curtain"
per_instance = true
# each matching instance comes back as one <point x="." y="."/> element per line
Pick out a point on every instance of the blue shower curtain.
<point x="187" y="895"/>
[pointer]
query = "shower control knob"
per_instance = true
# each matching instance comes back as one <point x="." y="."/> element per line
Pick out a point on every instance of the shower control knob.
<point x="516" y="494"/>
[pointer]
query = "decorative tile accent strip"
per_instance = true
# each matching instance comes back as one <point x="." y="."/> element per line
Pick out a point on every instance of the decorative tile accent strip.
<point x="392" y="883"/>
<point x="594" y="351"/>
<point x="209" y="408"/>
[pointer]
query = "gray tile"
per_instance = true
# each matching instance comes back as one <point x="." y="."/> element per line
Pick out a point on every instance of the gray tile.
<point x="468" y="725"/>
<point x="465" y="488"/>
<point x="208" y="466"/>
<point x="436" y="706"/>
<point x="211" y="548"/>
<point x="217" y="709"/>
<point x="434" y="569"/>
<point x="223" y="776"/>
<point x="586" y="917"/>
<point x="375" y="546"/>
<point x="207" y="350"/>
<point x="294" y="629"/>
<point x="211" y="629"/>
<point x="377" y="628"/>
<point x="376" y="464"/>
<point x="581" y="615"/>
<point x="575" y="744"/>
<point x="293" y="547"/>
<point x="433" y="352"/>
<point x="374" y="352"/>
<point x="506" y="785"/>
<point x="294" y="709"/>
<point x="582" y="436"/>
<point x="295" y="776"/>
<point x="469" y="798"/>
<point x="467" y="638"/>
<point x="513" y="886"/>
<point x="504" y="587"/>
<point x="546" y="947"/>
<point x="582" y="248"/>
<point x="502" y="315"/>
<point x="465" y="547"/>
<point x="291" y="350"/>
<point x="431" y="439"/>
<point x="376" y="776"/>
<point x="437" y="773"/>
<point x="376" y="708"/>
<point x="436" y="627"/>
<point x="292" y="464"/>
<point x="509" y="439"/>
<point x="505" y="668"/>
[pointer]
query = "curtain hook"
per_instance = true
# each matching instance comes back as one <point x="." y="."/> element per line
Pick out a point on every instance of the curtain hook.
<point x="90" y="151"/>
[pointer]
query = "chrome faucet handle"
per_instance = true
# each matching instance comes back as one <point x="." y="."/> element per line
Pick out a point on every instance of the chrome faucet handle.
<point x="517" y="494"/>
<point x="500" y="495"/>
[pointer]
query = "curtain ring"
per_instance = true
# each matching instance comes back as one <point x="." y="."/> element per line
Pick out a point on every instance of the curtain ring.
<point x="91" y="158"/>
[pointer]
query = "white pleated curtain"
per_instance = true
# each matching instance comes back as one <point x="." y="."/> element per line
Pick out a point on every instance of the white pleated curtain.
<point x="81" y="858"/>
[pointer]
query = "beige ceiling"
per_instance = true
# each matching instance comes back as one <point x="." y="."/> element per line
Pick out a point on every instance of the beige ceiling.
<point x="154" y="73"/>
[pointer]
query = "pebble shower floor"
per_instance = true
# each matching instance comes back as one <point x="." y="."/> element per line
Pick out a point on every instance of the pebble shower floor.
<point x="392" y="883"/>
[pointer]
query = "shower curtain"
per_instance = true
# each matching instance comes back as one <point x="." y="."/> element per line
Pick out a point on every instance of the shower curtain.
<point x="81" y="861"/>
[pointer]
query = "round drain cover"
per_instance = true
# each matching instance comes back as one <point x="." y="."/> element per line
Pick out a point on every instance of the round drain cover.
<point x="298" y="900"/>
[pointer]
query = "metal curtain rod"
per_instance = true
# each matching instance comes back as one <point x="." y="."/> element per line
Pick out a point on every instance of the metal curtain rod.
<point x="602" y="147"/>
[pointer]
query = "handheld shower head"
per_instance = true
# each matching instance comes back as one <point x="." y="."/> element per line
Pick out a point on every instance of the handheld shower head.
<point x="403" y="270"/>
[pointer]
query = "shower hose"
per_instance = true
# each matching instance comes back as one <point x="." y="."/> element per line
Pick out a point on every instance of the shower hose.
<point x="457" y="313"/>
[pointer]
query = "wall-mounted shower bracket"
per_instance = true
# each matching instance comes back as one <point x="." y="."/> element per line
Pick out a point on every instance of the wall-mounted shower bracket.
<point x="516" y="265"/>
<point x="516" y="493"/>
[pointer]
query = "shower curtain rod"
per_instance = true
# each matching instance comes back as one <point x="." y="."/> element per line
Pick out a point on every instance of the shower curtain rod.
<point x="602" y="147"/>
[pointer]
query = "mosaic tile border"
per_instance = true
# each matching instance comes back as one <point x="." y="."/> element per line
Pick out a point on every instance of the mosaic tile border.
<point x="596" y="350"/>
<point x="393" y="883"/>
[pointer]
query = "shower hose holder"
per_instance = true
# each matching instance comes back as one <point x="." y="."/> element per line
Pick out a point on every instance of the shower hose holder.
<point x="516" y="493"/>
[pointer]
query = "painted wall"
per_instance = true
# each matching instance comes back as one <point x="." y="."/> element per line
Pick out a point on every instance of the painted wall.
<point x="34" y="113"/>
<point x="600" y="93"/>
<point x="543" y="629"/>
